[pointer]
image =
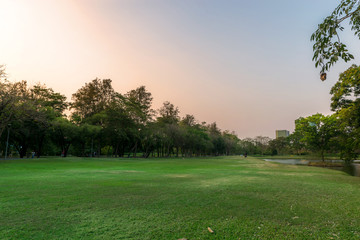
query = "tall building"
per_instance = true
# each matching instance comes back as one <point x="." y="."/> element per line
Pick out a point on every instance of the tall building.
<point x="282" y="133"/>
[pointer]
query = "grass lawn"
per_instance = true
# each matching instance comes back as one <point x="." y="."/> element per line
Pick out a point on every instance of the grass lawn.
<point x="83" y="198"/>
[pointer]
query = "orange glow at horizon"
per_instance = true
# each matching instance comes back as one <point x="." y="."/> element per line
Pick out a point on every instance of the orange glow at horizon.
<point x="202" y="57"/>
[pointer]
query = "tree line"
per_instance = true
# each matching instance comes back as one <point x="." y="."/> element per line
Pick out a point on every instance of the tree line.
<point x="102" y="122"/>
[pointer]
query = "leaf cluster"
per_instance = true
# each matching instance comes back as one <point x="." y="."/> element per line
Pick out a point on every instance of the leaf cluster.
<point x="346" y="90"/>
<point x="328" y="47"/>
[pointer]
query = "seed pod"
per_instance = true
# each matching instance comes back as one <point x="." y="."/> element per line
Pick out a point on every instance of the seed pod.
<point x="323" y="76"/>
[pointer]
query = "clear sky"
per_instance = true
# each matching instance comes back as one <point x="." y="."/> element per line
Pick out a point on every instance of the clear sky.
<point x="244" y="64"/>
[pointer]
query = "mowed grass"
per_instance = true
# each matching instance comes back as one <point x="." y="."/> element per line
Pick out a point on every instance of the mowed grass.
<point x="83" y="198"/>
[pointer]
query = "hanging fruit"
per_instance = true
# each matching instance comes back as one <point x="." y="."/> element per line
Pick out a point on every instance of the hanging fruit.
<point x="323" y="76"/>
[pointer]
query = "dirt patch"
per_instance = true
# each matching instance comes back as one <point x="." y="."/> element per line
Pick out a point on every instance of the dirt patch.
<point x="179" y="175"/>
<point x="119" y="171"/>
<point x="229" y="181"/>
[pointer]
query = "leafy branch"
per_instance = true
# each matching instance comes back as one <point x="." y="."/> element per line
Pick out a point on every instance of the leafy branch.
<point x="328" y="48"/>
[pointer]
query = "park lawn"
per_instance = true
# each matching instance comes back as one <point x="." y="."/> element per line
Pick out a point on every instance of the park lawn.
<point x="238" y="198"/>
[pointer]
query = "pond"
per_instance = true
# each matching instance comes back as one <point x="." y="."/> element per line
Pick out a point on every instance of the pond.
<point x="289" y="161"/>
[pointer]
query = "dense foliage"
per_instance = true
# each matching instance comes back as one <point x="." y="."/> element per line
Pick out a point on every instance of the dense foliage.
<point x="102" y="122"/>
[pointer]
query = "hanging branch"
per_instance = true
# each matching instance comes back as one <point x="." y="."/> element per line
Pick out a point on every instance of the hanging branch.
<point x="328" y="48"/>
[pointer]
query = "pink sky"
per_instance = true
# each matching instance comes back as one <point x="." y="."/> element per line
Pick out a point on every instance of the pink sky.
<point x="246" y="66"/>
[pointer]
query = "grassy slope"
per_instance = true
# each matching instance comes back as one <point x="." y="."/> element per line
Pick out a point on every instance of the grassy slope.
<point x="78" y="198"/>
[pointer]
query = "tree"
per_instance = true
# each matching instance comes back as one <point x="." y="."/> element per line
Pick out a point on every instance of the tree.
<point x="262" y="143"/>
<point x="348" y="140"/>
<point x="231" y="142"/>
<point x="92" y="98"/>
<point x="63" y="134"/>
<point x="346" y="91"/>
<point x="85" y="139"/>
<point x="142" y="99"/>
<point x="188" y="120"/>
<point x="149" y="138"/>
<point x="279" y="145"/>
<point x="316" y="131"/>
<point x="29" y="111"/>
<point x="248" y="146"/>
<point x="2" y="72"/>
<point x="174" y="138"/>
<point x="346" y="101"/>
<point x="120" y="128"/>
<point x="328" y="47"/>
<point x="10" y="95"/>
<point x="197" y="141"/>
<point x="296" y="143"/>
<point x="45" y="97"/>
<point x="7" y="103"/>
<point x="216" y="139"/>
<point x="168" y="113"/>
<point x="32" y="114"/>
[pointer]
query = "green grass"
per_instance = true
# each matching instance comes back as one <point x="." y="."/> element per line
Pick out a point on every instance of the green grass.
<point x="83" y="198"/>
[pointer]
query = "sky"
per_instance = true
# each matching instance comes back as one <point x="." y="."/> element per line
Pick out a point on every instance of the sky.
<point x="245" y="65"/>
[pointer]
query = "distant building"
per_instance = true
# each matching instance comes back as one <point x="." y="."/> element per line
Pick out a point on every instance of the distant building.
<point x="282" y="133"/>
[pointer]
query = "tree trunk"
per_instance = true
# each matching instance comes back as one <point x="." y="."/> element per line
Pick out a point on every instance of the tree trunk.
<point x="135" y="150"/>
<point x="168" y="151"/>
<point x="116" y="151"/>
<point x="40" y="145"/>
<point x="22" y="151"/>
<point x="66" y="149"/>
